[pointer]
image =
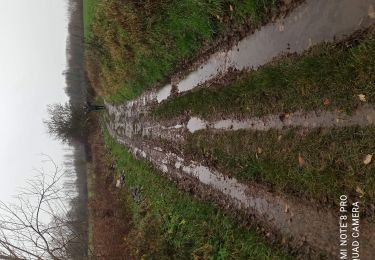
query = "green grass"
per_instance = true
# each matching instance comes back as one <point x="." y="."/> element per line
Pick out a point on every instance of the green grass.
<point x="337" y="73"/>
<point x="137" y="44"/>
<point x="333" y="159"/>
<point x="88" y="12"/>
<point x="174" y="225"/>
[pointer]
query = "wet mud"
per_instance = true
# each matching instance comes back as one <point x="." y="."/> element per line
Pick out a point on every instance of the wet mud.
<point x="313" y="22"/>
<point x="130" y="124"/>
<point x="300" y="223"/>
<point x="363" y="116"/>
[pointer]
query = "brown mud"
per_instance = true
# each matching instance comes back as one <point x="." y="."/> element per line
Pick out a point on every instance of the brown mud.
<point x="111" y="221"/>
<point x="232" y="35"/>
<point x="301" y="224"/>
<point x="312" y="229"/>
<point x="131" y="124"/>
<point x="313" y="22"/>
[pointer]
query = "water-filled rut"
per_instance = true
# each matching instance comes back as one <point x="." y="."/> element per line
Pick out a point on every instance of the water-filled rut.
<point x="301" y="222"/>
<point x="313" y="22"/>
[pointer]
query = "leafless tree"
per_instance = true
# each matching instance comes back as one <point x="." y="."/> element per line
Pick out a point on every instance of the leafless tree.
<point x="37" y="224"/>
<point x="67" y="122"/>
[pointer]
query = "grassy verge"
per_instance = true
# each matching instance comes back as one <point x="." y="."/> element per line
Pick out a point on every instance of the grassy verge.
<point x="109" y="216"/>
<point x="319" y="164"/>
<point x="170" y="224"/>
<point x="88" y="12"/>
<point x="328" y="76"/>
<point x="136" y="44"/>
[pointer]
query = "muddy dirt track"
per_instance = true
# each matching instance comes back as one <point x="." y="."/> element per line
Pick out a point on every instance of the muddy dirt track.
<point x="304" y="225"/>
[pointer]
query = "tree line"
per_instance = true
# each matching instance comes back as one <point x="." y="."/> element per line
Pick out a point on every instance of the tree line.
<point x="39" y="224"/>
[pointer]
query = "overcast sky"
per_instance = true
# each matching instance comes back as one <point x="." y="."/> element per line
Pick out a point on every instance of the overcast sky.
<point x="32" y="59"/>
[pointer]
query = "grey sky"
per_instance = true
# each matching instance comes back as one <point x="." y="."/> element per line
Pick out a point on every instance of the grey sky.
<point x="32" y="59"/>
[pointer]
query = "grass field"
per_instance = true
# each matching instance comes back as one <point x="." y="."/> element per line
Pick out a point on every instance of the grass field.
<point x="327" y="77"/>
<point x="172" y="224"/>
<point x="134" y="45"/>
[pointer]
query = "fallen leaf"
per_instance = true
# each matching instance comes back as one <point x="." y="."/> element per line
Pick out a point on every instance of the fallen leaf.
<point x="231" y="8"/>
<point x="360" y="191"/>
<point x="259" y="150"/>
<point x="301" y="160"/>
<point x="279" y="138"/>
<point x="286" y="209"/>
<point x="326" y="102"/>
<point x="367" y="159"/>
<point x="362" y="97"/>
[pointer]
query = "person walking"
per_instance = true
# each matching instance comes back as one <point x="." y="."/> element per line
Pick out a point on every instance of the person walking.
<point x="93" y="107"/>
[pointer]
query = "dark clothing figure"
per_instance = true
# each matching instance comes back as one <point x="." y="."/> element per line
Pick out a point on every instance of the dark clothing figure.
<point x="92" y="107"/>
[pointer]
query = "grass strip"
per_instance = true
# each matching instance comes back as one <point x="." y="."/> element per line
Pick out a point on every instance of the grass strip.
<point x="88" y="12"/>
<point x="173" y="224"/>
<point x="136" y="44"/>
<point x="319" y="164"/>
<point x="328" y="76"/>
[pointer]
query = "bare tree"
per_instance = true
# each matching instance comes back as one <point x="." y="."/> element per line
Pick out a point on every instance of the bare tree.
<point x="37" y="225"/>
<point x="67" y="122"/>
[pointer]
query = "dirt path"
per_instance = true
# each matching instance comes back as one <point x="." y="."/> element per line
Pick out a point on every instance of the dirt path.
<point x="300" y="222"/>
<point x="130" y="124"/>
<point x="313" y="22"/>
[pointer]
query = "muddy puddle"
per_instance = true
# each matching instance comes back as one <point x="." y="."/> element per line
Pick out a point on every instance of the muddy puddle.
<point x="363" y="116"/>
<point x="313" y="22"/>
<point x="299" y="222"/>
<point x="130" y="125"/>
